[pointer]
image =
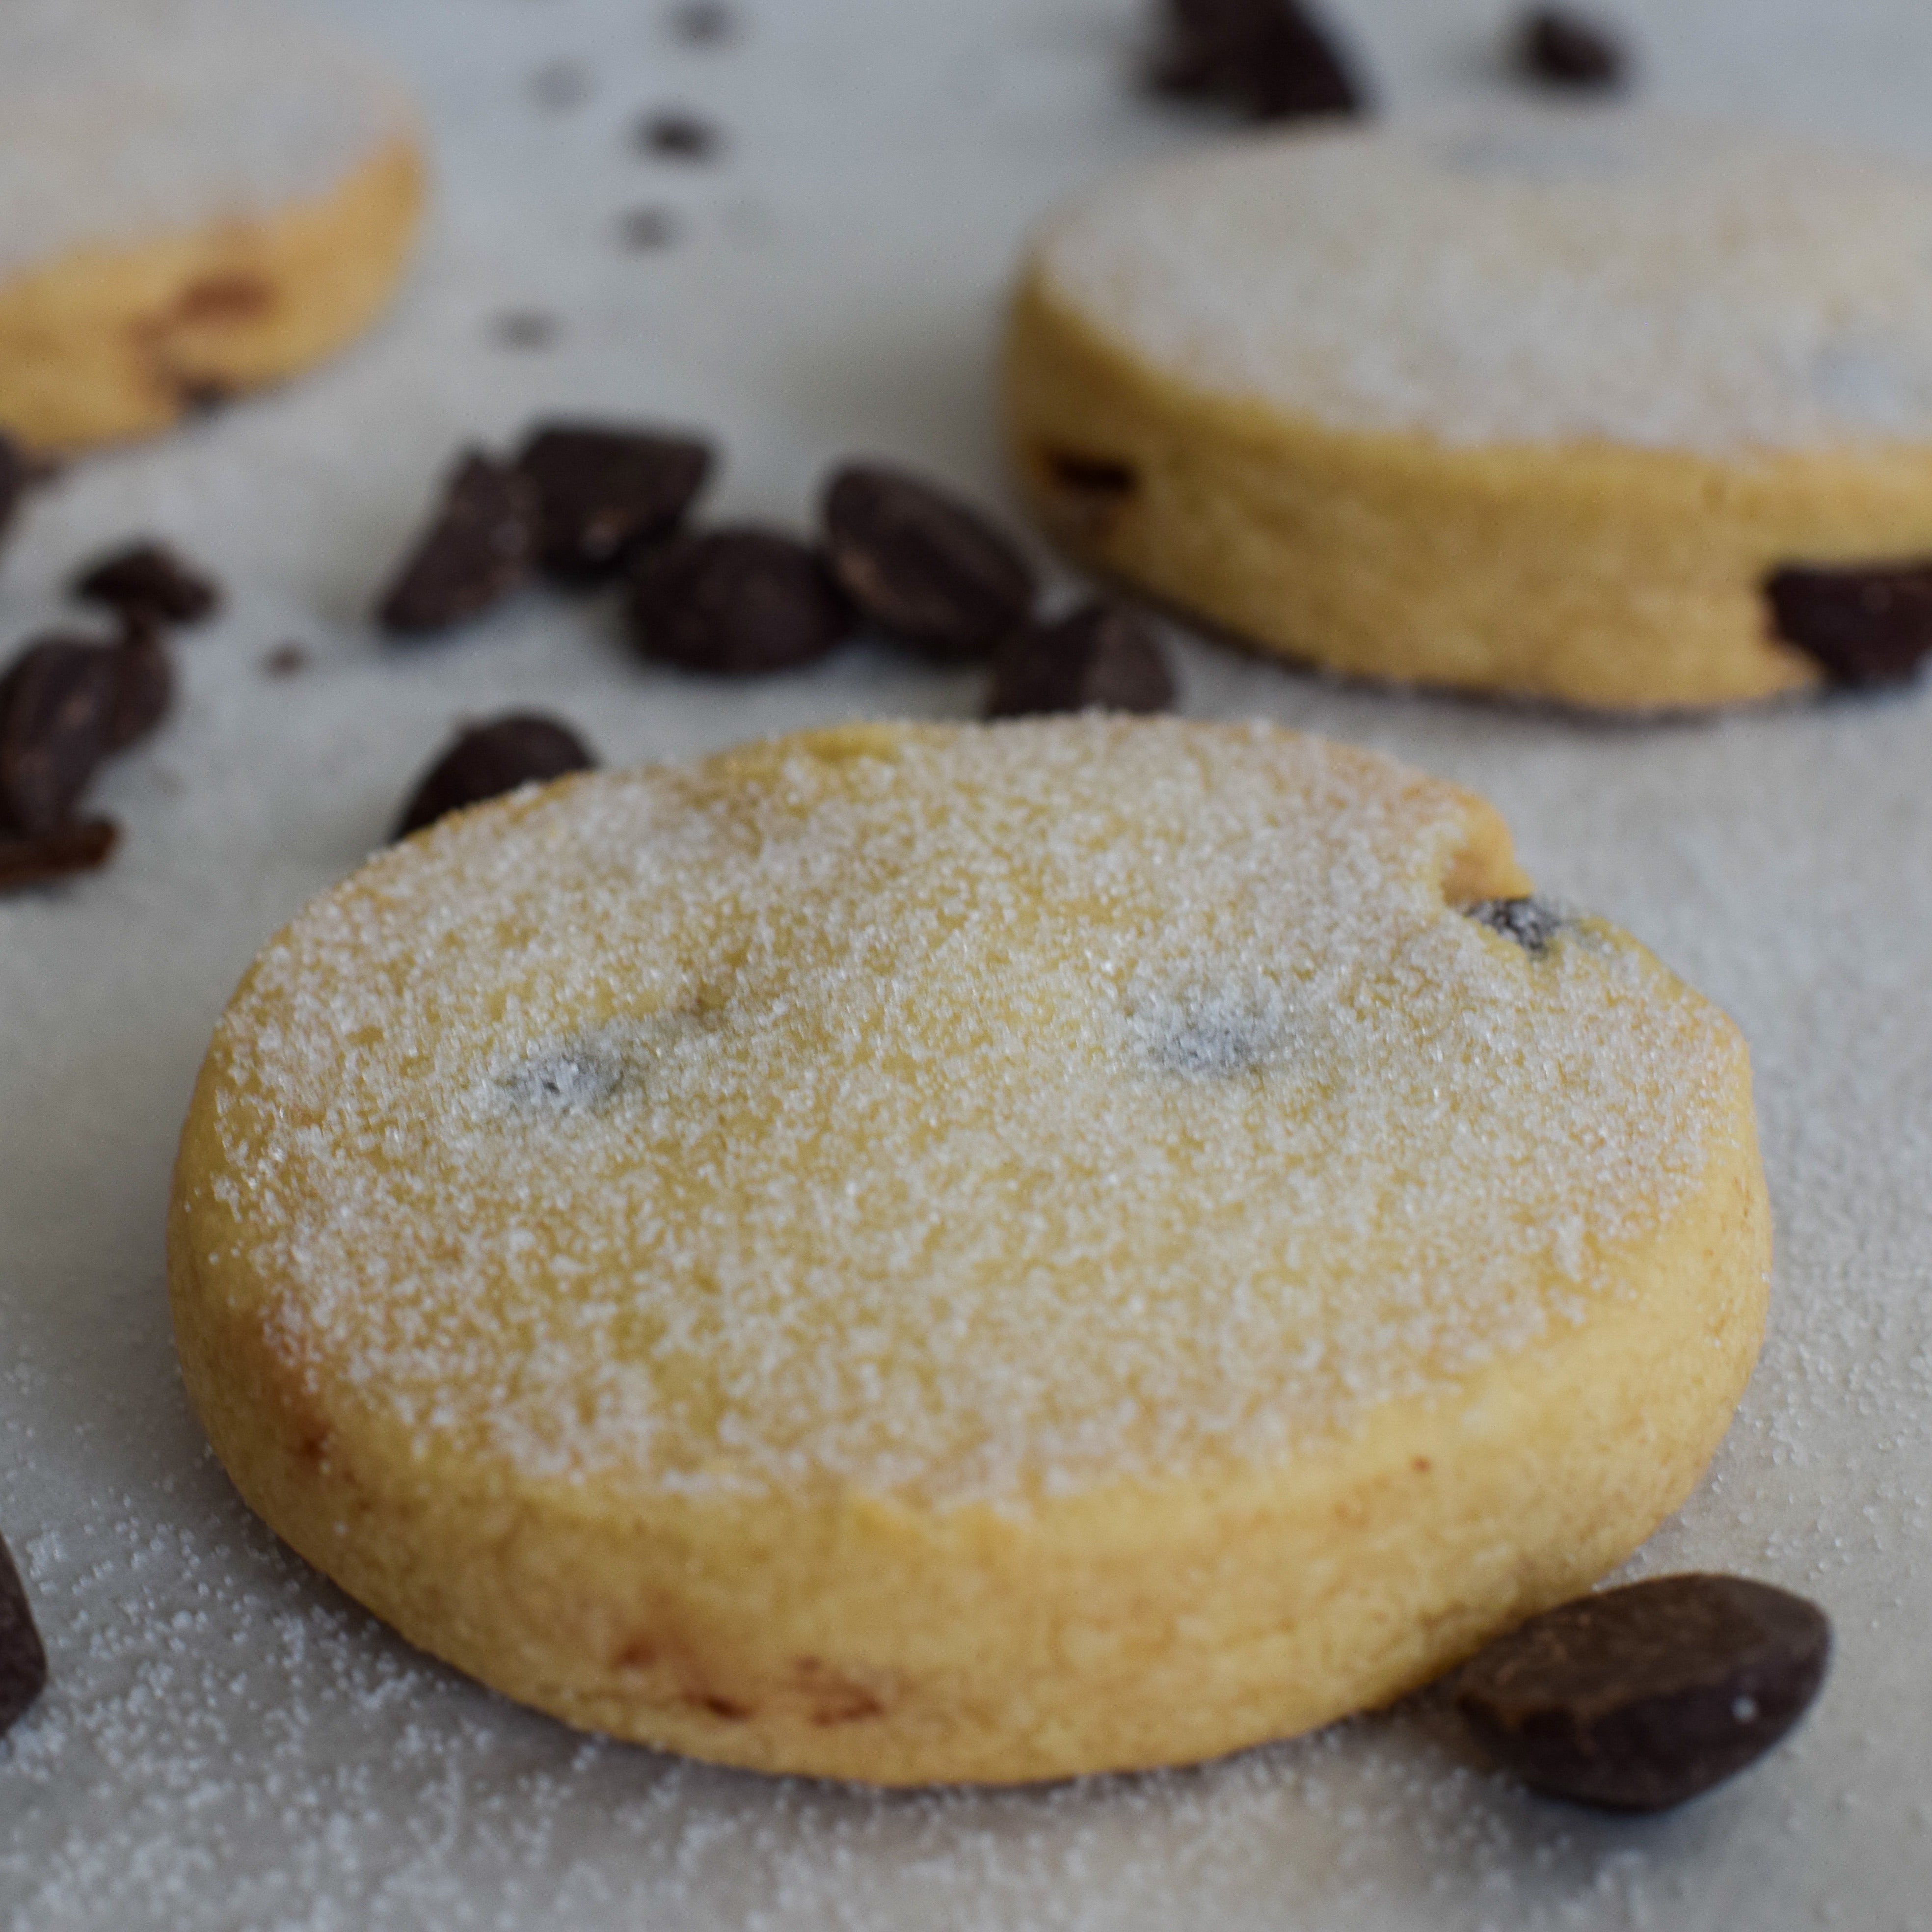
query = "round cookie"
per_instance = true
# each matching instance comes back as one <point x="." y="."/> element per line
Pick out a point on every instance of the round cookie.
<point x="196" y="197"/>
<point x="913" y="1253"/>
<point x="1565" y="404"/>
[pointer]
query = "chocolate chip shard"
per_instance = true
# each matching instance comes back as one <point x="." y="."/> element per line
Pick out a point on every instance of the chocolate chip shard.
<point x="487" y="761"/>
<point x="147" y="686"/>
<point x="23" y="1657"/>
<point x="739" y="602"/>
<point x="605" y="489"/>
<point x="1102" y="658"/>
<point x="58" y="705"/>
<point x="481" y="546"/>
<point x="1532" y="923"/>
<point x="1270" y="57"/>
<point x="675" y="134"/>
<point x="1640" y="1698"/>
<point x="148" y="580"/>
<point x="921" y="566"/>
<point x="1866" y="626"/>
<point x="40" y="858"/>
<point x="1567" y="49"/>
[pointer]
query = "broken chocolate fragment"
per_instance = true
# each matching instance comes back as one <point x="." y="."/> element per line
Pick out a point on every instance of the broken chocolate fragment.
<point x="1532" y="923"/>
<point x="1865" y="625"/>
<point x="1270" y="57"/>
<point x="481" y="546"/>
<point x="921" y="566"/>
<point x="1644" y="1697"/>
<point x="1101" y="657"/>
<point x="39" y="858"/>
<point x="1569" y="49"/>
<point x="148" y="580"/>
<point x="675" y="134"/>
<point x="738" y="602"/>
<point x="147" y="685"/>
<point x="58" y="703"/>
<point x="604" y="489"/>
<point x="522" y="748"/>
<point x="23" y="1658"/>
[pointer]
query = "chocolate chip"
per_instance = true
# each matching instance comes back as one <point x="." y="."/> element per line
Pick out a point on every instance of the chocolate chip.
<point x="703" y="23"/>
<point x="39" y="858"/>
<point x="481" y="546"/>
<point x="12" y="480"/>
<point x="1101" y="657"/>
<point x="1531" y="923"/>
<point x="604" y="489"/>
<point x="149" y="581"/>
<point x="285" y="660"/>
<point x="1865" y="625"/>
<point x="1569" y="49"/>
<point x="921" y="566"/>
<point x="23" y="1659"/>
<point x="147" y="685"/>
<point x="1270" y="57"/>
<point x="677" y="135"/>
<point x="641" y="230"/>
<point x="1642" y="1697"/>
<point x="738" y="602"/>
<point x="522" y="747"/>
<point x="58" y="703"/>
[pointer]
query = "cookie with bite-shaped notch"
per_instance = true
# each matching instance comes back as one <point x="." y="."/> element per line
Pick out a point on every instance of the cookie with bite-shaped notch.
<point x="1614" y="410"/>
<point x="988" y="1252"/>
<point x="196" y="197"/>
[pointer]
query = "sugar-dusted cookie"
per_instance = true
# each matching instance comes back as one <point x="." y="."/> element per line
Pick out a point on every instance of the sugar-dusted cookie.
<point x="197" y="196"/>
<point x="915" y="1253"/>
<point x="1573" y="404"/>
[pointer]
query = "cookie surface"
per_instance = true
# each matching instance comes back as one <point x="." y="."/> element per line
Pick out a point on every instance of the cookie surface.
<point x="1535" y="406"/>
<point x="913" y="1253"/>
<point x="196" y="197"/>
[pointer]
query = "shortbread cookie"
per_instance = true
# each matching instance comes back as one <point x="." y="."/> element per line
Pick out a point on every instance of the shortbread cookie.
<point x="196" y="197"/>
<point x="1542" y="405"/>
<point x="914" y="1253"/>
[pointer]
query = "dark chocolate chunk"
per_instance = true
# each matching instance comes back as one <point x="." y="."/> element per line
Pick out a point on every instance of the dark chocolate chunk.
<point x="674" y="133"/>
<point x="921" y="566"/>
<point x="12" y="480"/>
<point x="1101" y="657"/>
<point x="23" y="1658"/>
<point x="522" y="747"/>
<point x="1531" y="923"/>
<point x="1865" y="625"/>
<point x="481" y="546"/>
<point x="641" y="230"/>
<point x="58" y="703"/>
<point x="1570" y="49"/>
<point x="39" y="858"/>
<point x="149" y="581"/>
<point x="603" y="490"/>
<point x="1270" y="57"/>
<point x="1642" y="1697"/>
<point x="737" y="602"/>
<point x="703" y="23"/>
<point x="147" y="685"/>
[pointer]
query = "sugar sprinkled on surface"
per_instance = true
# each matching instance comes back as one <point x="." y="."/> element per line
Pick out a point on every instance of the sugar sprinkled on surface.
<point x="963" y="1113"/>
<point x="1542" y="277"/>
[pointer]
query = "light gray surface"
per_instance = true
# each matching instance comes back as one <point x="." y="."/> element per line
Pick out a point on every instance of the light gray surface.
<point x="226" y="1742"/>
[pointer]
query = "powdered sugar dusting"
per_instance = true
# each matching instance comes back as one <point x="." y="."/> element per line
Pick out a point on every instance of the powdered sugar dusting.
<point x="1536" y="277"/>
<point x="124" y="121"/>
<point x="964" y="1113"/>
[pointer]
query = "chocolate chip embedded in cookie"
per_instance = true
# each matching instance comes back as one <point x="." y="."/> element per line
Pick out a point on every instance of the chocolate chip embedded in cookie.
<point x="984" y="1253"/>
<point x="1360" y="397"/>
<point x="23" y="1658"/>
